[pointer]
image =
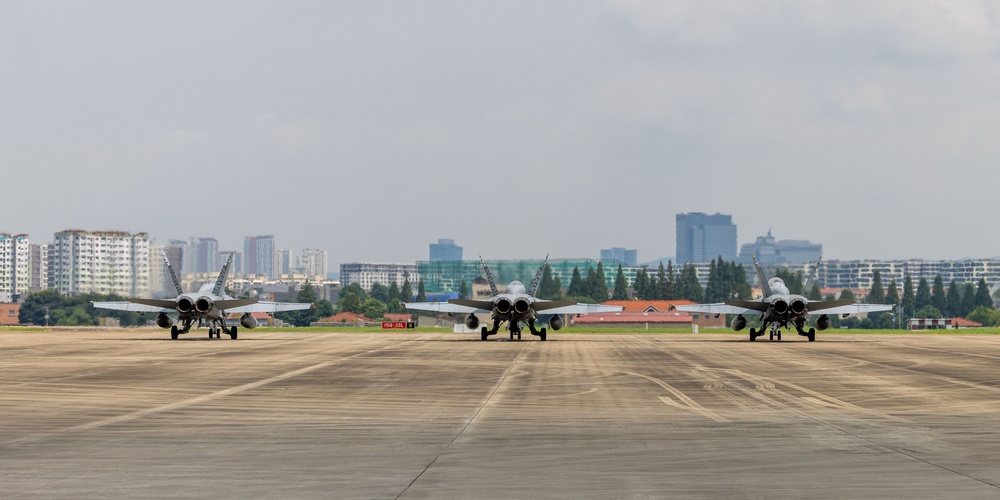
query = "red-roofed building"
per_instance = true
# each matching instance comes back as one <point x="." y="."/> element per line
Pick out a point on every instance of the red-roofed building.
<point x="344" y="318"/>
<point x="398" y="317"/>
<point x="670" y="306"/>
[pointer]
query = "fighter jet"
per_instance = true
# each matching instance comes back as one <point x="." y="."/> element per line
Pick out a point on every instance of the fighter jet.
<point x="780" y="309"/>
<point x="209" y="304"/>
<point x="514" y="306"/>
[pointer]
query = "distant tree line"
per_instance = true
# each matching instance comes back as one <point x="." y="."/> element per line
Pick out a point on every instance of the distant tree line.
<point x="75" y="310"/>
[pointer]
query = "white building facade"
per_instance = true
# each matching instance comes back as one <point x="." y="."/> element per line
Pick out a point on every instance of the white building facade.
<point x="313" y="262"/>
<point x="367" y="274"/>
<point x="15" y="266"/>
<point x="101" y="262"/>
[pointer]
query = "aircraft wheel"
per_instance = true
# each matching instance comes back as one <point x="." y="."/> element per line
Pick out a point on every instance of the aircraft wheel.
<point x="174" y="332"/>
<point x="812" y="335"/>
<point x="779" y="335"/>
<point x="770" y="336"/>
<point x="542" y="333"/>
<point x="232" y="333"/>
<point x="753" y="335"/>
<point x="484" y="335"/>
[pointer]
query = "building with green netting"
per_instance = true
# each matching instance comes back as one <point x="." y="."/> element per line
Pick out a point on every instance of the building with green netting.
<point x="448" y="276"/>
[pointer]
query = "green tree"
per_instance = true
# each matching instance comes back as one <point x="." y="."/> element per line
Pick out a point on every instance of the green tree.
<point x="792" y="279"/>
<point x="641" y="284"/>
<point x="577" y="287"/>
<point x="688" y="287"/>
<point x="597" y="284"/>
<point x="939" y="298"/>
<point x="892" y="295"/>
<point x="325" y="309"/>
<point x="351" y="298"/>
<point x="621" y="286"/>
<point x="923" y="297"/>
<point x="379" y="292"/>
<point x="716" y="290"/>
<point x="985" y="315"/>
<point x="406" y="291"/>
<point x="847" y="294"/>
<point x="373" y="308"/>
<point x="953" y="301"/>
<point x="421" y="293"/>
<point x="307" y="316"/>
<point x="968" y="300"/>
<point x="909" y="300"/>
<point x="929" y="312"/>
<point x="393" y="302"/>
<point x="814" y="292"/>
<point x="548" y="288"/>
<point x="666" y="282"/>
<point x="983" y="297"/>
<point x="463" y="291"/>
<point x="877" y="294"/>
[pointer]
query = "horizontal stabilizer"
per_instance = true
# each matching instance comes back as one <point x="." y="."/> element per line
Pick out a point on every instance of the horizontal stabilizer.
<point x="581" y="308"/>
<point x="269" y="307"/>
<point x="446" y="307"/>
<point x="131" y="306"/>
<point x="230" y="304"/>
<point x="544" y="305"/>
<point x="719" y="308"/>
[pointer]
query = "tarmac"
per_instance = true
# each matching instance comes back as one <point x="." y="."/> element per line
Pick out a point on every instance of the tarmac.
<point x="130" y="413"/>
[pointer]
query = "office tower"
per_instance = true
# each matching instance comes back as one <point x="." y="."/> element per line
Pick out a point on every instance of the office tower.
<point x="703" y="238"/>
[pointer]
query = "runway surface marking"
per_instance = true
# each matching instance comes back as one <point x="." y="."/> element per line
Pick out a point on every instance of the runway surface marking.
<point x="187" y="402"/>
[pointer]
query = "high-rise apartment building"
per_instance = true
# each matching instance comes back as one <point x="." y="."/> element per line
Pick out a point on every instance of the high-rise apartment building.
<point x="206" y="255"/>
<point x="177" y="253"/>
<point x="258" y="255"/>
<point x="445" y="250"/>
<point x="626" y="257"/>
<point x="367" y="274"/>
<point x="39" y="267"/>
<point x="313" y="262"/>
<point x="15" y="266"/>
<point x="703" y="238"/>
<point x="101" y="262"/>
<point x="282" y="262"/>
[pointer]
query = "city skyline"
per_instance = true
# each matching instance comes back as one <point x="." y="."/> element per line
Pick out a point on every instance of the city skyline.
<point x="864" y="126"/>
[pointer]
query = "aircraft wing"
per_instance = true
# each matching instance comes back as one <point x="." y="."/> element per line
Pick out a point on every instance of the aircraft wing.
<point x="720" y="308"/>
<point x="268" y="307"/>
<point x="476" y="306"/>
<point x="850" y="308"/>
<point x="581" y="308"/>
<point x="230" y="305"/>
<point x="125" y="305"/>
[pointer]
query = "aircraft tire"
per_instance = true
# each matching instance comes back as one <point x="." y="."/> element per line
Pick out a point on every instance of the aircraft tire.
<point x="542" y="333"/>
<point x="484" y="335"/>
<point x="232" y="333"/>
<point x="812" y="335"/>
<point x="174" y="333"/>
<point x="779" y="335"/>
<point x="753" y="335"/>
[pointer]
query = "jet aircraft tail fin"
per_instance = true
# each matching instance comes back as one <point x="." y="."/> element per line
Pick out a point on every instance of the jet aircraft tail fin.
<point x="489" y="277"/>
<point x="220" y="284"/>
<point x="812" y="277"/>
<point x="173" y="275"/>
<point x="764" y="286"/>
<point x="538" y="277"/>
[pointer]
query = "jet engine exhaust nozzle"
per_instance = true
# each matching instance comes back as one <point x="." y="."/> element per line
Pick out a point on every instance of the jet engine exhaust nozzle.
<point x="798" y="306"/>
<point x="184" y="305"/>
<point x="522" y="306"/>
<point x="503" y="306"/>
<point x="779" y="306"/>
<point x="203" y="305"/>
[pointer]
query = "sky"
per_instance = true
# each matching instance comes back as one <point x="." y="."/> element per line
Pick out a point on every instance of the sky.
<point x="519" y="129"/>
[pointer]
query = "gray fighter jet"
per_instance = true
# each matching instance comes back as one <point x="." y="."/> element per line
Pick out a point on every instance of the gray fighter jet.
<point x="514" y="306"/>
<point x="780" y="309"/>
<point x="209" y="304"/>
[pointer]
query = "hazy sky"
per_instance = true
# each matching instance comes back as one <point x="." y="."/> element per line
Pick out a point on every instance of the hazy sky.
<point x="370" y="129"/>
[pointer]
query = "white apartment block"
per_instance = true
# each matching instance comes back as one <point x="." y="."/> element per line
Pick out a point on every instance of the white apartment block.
<point x="15" y="266"/>
<point x="367" y="274"/>
<point x="101" y="262"/>
<point x="313" y="262"/>
<point x="39" y="268"/>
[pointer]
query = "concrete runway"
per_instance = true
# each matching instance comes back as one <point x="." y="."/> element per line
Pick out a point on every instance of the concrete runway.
<point x="347" y="415"/>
